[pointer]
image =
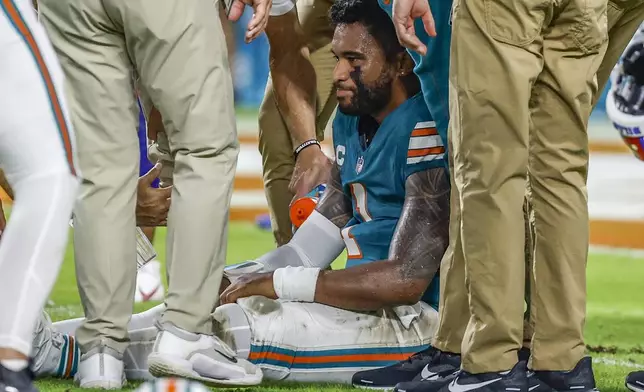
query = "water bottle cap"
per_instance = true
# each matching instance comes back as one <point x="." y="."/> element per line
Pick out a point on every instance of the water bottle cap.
<point x="301" y="209"/>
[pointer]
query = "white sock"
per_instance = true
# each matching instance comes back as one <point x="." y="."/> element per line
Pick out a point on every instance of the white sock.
<point x="15" y="365"/>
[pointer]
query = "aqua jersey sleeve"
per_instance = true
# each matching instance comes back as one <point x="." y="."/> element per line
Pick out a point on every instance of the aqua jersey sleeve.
<point x="425" y="148"/>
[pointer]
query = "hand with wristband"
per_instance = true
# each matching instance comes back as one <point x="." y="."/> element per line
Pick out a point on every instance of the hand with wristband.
<point x="312" y="167"/>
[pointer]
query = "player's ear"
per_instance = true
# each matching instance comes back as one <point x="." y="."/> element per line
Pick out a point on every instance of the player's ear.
<point x="405" y="64"/>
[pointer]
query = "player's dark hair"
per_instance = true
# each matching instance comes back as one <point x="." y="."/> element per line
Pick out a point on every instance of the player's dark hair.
<point x="375" y="20"/>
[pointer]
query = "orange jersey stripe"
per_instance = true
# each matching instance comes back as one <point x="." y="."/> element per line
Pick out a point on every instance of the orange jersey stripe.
<point x="172" y="385"/>
<point x="425" y="151"/>
<point x="71" y="351"/>
<point x="329" y="358"/>
<point x="424" y="132"/>
<point x="16" y="18"/>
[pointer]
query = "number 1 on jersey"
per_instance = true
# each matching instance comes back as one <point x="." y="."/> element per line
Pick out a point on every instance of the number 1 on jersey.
<point x="359" y="194"/>
<point x="350" y="243"/>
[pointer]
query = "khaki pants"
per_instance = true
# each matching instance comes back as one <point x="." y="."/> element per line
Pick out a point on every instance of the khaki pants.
<point x="532" y="118"/>
<point x="178" y="51"/>
<point x="275" y="143"/>
<point x="623" y="20"/>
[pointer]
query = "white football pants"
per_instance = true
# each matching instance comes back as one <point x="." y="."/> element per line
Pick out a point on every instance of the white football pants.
<point x="295" y="341"/>
<point x="36" y="154"/>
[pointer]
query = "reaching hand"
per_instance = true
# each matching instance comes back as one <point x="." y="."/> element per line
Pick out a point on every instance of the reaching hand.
<point x="260" y="18"/>
<point x="312" y="168"/>
<point x="152" y="204"/>
<point x="404" y="13"/>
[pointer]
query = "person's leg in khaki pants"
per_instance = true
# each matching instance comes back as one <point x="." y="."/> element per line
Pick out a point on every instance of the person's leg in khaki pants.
<point x="558" y="173"/>
<point x="491" y="134"/>
<point x="275" y="143"/>
<point x="103" y="110"/>
<point x="623" y="20"/>
<point x="178" y="51"/>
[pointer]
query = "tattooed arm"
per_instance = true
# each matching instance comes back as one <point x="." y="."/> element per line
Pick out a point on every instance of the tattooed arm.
<point x="335" y="205"/>
<point x="416" y="250"/>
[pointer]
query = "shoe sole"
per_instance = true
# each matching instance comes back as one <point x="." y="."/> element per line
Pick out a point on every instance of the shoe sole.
<point x="160" y="368"/>
<point x="102" y="385"/>
<point x="374" y="388"/>
<point x="634" y="388"/>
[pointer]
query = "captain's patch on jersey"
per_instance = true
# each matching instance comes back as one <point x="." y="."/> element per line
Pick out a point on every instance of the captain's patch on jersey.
<point x="425" y="144"/>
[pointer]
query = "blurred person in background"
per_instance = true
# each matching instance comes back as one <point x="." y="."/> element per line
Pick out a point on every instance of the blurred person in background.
<point x="177" y="50"/>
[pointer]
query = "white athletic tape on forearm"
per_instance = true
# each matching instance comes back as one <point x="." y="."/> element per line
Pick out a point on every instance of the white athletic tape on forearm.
<point x="296" y="283"/>
<point x="317" y="243"/>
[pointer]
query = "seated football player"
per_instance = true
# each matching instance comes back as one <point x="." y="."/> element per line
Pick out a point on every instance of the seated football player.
<point x="386" y="204"/>
<point x="625" y="108"/>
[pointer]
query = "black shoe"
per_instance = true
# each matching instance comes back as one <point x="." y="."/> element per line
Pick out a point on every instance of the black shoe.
<point x="524" y="354"/>
<point x="20" y="381"/>
<point x="515" y="380"/>
<point x="424" y="385"/>
<point x="536" y="385"/>
<point x="579" y="379"/>
<point x="635" y="381"/>
<point x="420" y="363"/>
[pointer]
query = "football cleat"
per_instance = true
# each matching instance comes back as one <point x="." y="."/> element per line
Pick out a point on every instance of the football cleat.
<point x="20" y="381"/>
<point x="635" y="381"/>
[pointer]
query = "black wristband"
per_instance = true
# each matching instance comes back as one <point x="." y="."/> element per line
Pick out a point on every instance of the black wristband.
<point x="304" y="145"/>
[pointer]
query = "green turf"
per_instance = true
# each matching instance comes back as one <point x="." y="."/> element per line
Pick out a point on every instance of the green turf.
<point x="614" y="332"/>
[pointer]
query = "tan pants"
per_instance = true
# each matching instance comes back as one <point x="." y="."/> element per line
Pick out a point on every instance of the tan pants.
<point x="623" y="20"/>
<point x="275" y="143"/>
<point x="532" y="118"/>
<point x="178" y="51"/>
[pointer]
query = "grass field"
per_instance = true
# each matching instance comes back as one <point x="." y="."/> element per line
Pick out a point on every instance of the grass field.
<point x="614" y="330"/>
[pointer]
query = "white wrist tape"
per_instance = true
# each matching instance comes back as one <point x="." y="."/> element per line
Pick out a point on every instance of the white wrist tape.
<point x="296" y="283"/>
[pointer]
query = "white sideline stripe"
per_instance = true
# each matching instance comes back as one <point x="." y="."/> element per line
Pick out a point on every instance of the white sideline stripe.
<point x="248" y="199"/>
<point x="614" y="362"/>
<point x="608" y="250"/>
<point x="607" y="310"/>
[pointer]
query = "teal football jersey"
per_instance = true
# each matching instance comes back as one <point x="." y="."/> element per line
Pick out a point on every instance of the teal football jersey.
<point x="406" y="142"/>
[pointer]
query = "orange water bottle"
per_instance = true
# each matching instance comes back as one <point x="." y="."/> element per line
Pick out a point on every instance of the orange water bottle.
<point x="301" y="208"/>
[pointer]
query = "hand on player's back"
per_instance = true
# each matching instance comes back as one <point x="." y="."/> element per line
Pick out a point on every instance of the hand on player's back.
<point x="152" y="204"/>
<point x="312" y="168"/>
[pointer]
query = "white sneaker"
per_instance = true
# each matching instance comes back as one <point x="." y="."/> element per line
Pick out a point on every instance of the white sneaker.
<point x="98" y="369"/>
<point x="178" y="353"/>
<point x="149" y="286"/>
